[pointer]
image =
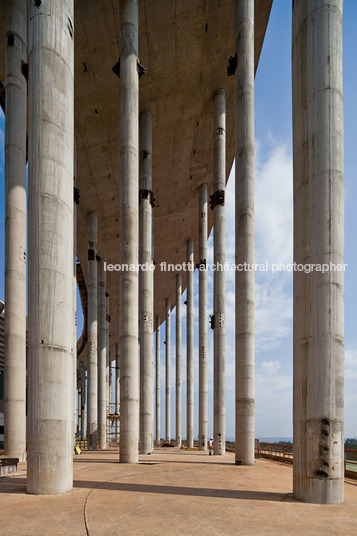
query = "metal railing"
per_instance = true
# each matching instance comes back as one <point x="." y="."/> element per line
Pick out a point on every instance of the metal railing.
<point x="284" y="453"/>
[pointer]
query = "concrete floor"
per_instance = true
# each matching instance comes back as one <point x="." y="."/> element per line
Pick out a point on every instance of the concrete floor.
<point x="172" y="492"/>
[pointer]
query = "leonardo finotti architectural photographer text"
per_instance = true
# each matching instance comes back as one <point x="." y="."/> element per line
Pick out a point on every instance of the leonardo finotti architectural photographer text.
<point x="228" y="267"/>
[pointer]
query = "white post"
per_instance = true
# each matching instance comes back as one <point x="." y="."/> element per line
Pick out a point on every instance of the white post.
<point x="15" y="230"/>
<point x="50" y="289"/>
<point x="318" y="239"/>
<point x="244" y="180"/>
<point x="129" y="222"/>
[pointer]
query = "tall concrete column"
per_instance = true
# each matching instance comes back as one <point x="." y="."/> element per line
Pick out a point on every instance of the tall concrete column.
<point x="83" y="404"/>
<point x="102" y="358"/>
<point x="128" y="240"/>
<point x="75" y="362"/>
<point x="15" y="230"/>
<point x="203" y="318"/>
<point x="157" y="382"/>
<point x="117" y="389"/>
<point x="92" y="344"/>
<point x="219" y="254"/>
<point x="244" y="209"/>
<point x="50" y="289"/>
<point x="146" y="286"/>
<point x="318" y="239"/>
<point x="107" y="354"/>
<point x="189" y="336"/>
<point x="178" y="360"/>
<point x="168" y="372"/>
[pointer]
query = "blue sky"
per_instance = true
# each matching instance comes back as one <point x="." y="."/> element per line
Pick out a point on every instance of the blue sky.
<point x="273" y="241"/>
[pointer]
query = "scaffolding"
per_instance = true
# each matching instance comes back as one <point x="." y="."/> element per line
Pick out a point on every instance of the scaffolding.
<point x="113" y="425"/>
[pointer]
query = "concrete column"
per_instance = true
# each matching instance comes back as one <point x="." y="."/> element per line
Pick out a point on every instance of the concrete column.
<point x="50" y="289"/>
<point x="92" y="344"/>
<point x="178" y="360"/>
<point x="107" y="355"/>
<point x="203" y="321"/>
<point x="168" y="371"/>
<point x="146" y="286"/>
<point x="109" y="408"/>
<point x="244" y="181"/>
<point x="15" y="230"/>
<point x="128" y="242"/>
<point x="83" y="405"/>
<point x="75" y="363"/>
<point x="219" y="254"/>
<point x="102" y="358"/>
<point x="318" y="239"/>
<point x="189" y="335"/>
<point x="117" y="389"/>
<point x="157" y="382"/>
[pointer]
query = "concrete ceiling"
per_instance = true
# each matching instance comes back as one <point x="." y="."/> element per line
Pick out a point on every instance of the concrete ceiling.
<point x="184" y="46"/>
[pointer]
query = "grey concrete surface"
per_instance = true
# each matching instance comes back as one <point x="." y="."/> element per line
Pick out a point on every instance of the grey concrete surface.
<point x="178" y="360"/>
<point x="157" y="380"/>
<point x="15" y="231"/>
<point x="203" y="323"/>
<point x="168" y="372"/>
<point x="146" y="282"/>
<point x="189" y="346"/>
<point x="129" y="235"/>
<point x="219" y="277"/>
<point x="92" y="345"/>
<point x="102" y="357"/>
<point x="318" y="238"/>
<point x="50" y="289"/>
<point x="244" y="180"/>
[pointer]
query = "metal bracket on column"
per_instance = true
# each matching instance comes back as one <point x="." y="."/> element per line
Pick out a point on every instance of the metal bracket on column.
<point x="212" y="321"/>
<point x="202" y="262"/>
<point x="76" y="195"/>
<point x="116" y="68"/>
<point x="147" y="194"/>
<point x="25" y="70"/>
<point x="232" y="65"/>
<point x="140" y="68"/>
<point x="107" y="317"/>
<point x="217" y="199"/>
<point x="91" y="256"/>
